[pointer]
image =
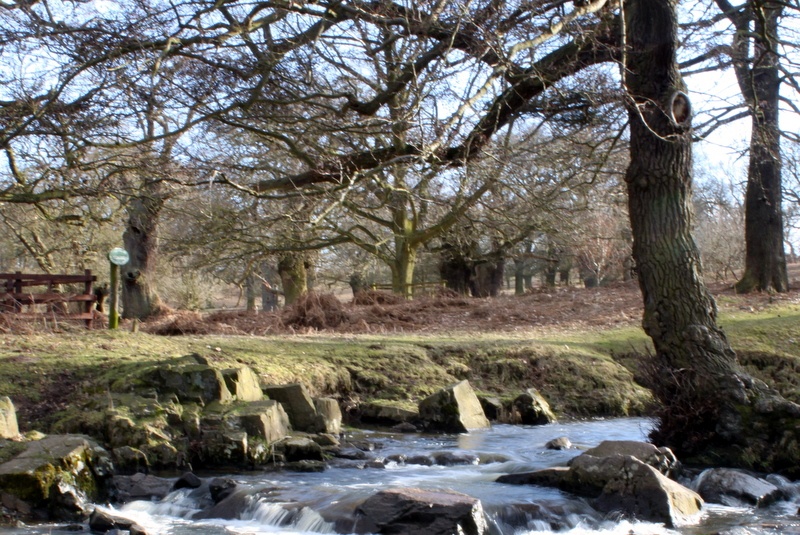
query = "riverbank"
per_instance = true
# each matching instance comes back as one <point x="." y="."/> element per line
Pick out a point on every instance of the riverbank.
<point x="585" y="364"/>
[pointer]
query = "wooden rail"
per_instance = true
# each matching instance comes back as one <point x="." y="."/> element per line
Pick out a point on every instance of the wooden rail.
<point x="425" y="288"/>
<point x="15" y="294"/>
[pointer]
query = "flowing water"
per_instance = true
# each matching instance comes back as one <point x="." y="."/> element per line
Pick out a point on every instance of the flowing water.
<point x="292" y="503"/>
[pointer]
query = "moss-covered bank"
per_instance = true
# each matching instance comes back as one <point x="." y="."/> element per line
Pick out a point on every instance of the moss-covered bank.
<point x="581" y="373"/>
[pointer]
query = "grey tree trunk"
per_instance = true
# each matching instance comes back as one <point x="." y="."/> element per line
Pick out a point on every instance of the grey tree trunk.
<point x="140" y="298"/>
<point x="711" y="412"/>
<point x="759" y="78"/>
<point x="292" y="271"/>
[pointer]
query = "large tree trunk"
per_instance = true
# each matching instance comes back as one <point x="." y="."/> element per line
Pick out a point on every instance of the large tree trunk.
<point x="519" y="276"/>
<point x="765" y="262"/>
<point x="456" y="271"/>
<point x="405" y="259"/>
<point x="712" y="412"/>
<point x="487" y="276"/>
<point x="294" y="279"/>
<point x="139" y="295"/>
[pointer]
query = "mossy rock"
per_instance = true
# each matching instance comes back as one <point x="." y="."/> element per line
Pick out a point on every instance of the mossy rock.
<point x="188" y="379"/>
<point x="47" y="469"/>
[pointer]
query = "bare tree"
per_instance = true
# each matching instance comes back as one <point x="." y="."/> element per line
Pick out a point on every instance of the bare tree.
<point x="744" y="423"/>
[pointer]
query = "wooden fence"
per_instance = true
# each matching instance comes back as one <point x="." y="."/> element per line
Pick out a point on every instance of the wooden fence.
<point x="420" y="288"/>
<point x="16" y="294"/>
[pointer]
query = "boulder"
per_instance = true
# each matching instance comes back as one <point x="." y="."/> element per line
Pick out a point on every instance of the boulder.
<point x="188" y="379"/>
<point x="103" y="522"/>
<point x="55" y="478"/>
<point x="326" y="440"/>
<point x="263" y="419"/>
<point x="128" y="460"/>
<point x="221" y="488"/>
<point x="454" y="409"/>
<point x="640" y="491"/>
<point x="736" y="488"/>
<point x="533" y="409"/>
<point x="662" y="459"/>
<point x="329" y="416"/>
<point x="619" y="483"/>
<point x="301" y="449"/>
<point x="298" y="405"/>
<point x="8" y="419"/>
<point x="383" y="414"/>
<point x="494" y="409"/>
<point x="221" y="446"/>
<point x="187" y="480"/>
<point x="421" y="512"/>
<point x="243" y="384"/>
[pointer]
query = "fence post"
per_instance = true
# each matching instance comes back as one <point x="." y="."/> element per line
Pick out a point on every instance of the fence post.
<point x="117" y="257"/>
<point x="17" y="290"/>
<point x="87" y="289"/>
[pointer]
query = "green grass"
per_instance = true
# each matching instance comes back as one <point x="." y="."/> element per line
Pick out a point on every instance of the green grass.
<point x="582" y="373"/>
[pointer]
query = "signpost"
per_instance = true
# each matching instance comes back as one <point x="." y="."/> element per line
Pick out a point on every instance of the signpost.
<point x="118" y="257"/>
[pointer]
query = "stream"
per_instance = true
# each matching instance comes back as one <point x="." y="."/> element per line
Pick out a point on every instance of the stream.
<point x="303" y="503"/>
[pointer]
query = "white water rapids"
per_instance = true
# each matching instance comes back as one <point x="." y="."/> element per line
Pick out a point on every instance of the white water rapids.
<point x="292" y="503"/>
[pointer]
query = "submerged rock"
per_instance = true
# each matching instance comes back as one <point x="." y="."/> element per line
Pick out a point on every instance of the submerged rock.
<point x="140" y="487"/>
<point x="455" y="409"/>
<point x="421" y="512"/>
<point x="560" y="443"/>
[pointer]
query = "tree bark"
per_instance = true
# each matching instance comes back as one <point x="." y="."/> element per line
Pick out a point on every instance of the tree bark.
<point x="140" y="298"/>
<point x="519" y="276"/>
<point x="712" y="412"/>
<point x="292" y="271"/>
<point x="765" y="261"/>
<point x="455" y="268"/>
<point x="251" y="285"/>
<point x="405" y="259"/>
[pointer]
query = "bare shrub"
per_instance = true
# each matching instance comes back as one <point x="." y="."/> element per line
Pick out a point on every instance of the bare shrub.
<point x="178" y="324"/>
<point x="376" y="297"/>
<point x="316" y="310"/>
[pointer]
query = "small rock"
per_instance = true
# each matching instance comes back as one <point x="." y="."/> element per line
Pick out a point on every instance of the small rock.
<point x="560" y="443"/>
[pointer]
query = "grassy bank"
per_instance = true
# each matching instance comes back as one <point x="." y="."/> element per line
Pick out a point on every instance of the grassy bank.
<point x="581" y="372"/>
